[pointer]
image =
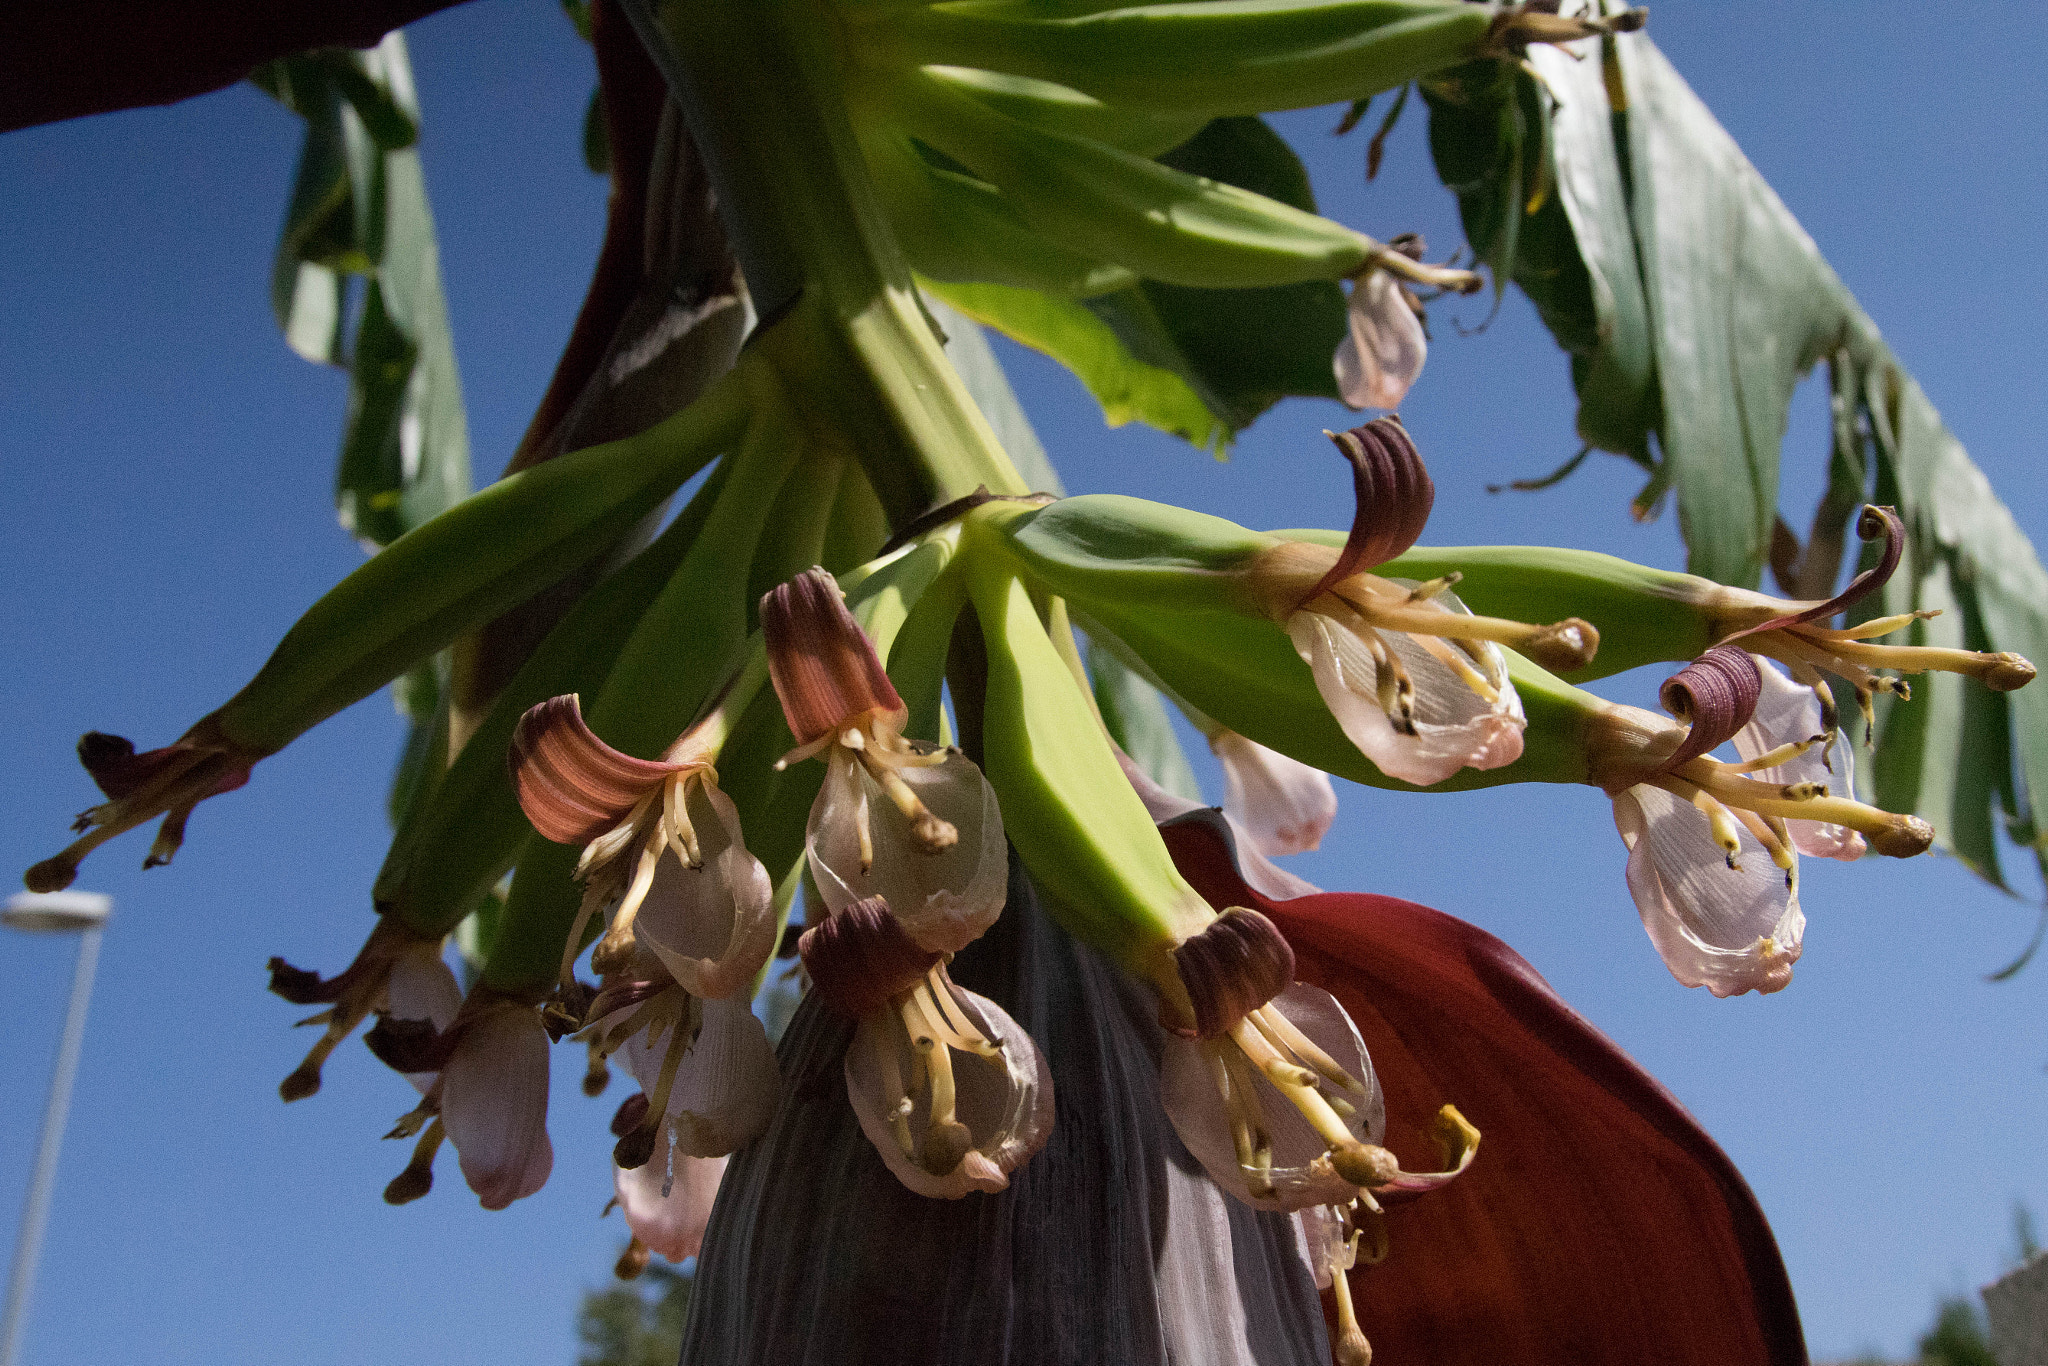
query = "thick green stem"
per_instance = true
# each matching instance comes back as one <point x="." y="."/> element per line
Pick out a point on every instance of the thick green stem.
<point x="759" y="86"/>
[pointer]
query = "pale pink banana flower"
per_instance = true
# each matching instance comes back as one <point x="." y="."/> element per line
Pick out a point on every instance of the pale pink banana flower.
<point x="490" y="1098"/>
<point x="1260" y="873"/>
<point x="1414" y="679"/>
<point x="1384" y="345"/>
<point x="713" y="922"/>
<point x="1282" y="804"/>
<point x="899" y="819"/>
<point x="1272" y="1090"/>
<point x="945" y="1125"/>
<point x="667" y="1202"/>
<point x="1788" y="711"/>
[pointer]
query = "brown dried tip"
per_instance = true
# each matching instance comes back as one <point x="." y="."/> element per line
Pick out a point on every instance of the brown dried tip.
<point x="1901" y="837"/>
<point x="1394" y="495"/>
<point x="410" y="1045"/>
<point x="632" y="1113"/>
<point x="632" y="1261"/>
<point x="597" y="1076"/>
<point x="1567" y="645"/>
<point x="945" y="1147"/>
<point x="861" y="957"/>
<point x="572" y="785"/>
<point x="409" y="1185"/>
<point x="635" y="1148"/>
<point x="823" y="666"/>
<point x="302" y="1083"/>
<point x="297" y="985"/>
<point x="1233" y="967"/>
<point x="2006" y="671"/>
<point x="1717" y="693"/>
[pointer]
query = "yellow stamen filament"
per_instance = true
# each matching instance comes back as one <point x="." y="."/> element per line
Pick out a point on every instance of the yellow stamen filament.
<point x="1768" y="799"/>
<point x="678" y="1046"/>
<point x="1423" y="592"/>
<point x="1283" y="1033"/>
<point x="946" y="1016"/>
<point x="681" y="835"/>
<point x="1876" y="626"/>
<point x="1780" y="850"/>
<point x="1720" y="824"/>
<point x="1783" y="754"/>
<point x="1350" y="1348"/>
<point x="1294" y="1082"/>
<point x="1392" y="607"/>
<point x="1365" y="608"/>
<point x="899" y="1097"/>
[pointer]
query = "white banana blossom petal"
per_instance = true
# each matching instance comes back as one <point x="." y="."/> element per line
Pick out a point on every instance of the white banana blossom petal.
<point x="494" y="1104"/>
<point x="671" y="1224"/>
<point x="1455" y="727"/>
<point x="726" y="1084"/>
<point x="1384" y="345"/>
<point x="1005" y="1101"/>
<point x="1788" y="711"/>
<point x="1282" y="804"/>
<point x="712" y="926"/>
<point x="945" y="899"/>
<point x="1189" y="1092"/>
<point x="421" y="987"/>
<point x="1729" y="931"/>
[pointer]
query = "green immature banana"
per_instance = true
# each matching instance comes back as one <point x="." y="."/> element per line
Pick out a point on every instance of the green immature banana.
<point x="1169" y="588"/>
<point x="458" y="842"/>
<point x="1067" y="806"/>
<point x="1214" y="58"/>
<point x="492" y="550"/>
<point x="1110" y="205"/>
<point x="1056" y="109"/>
<point x="954" y="227"/>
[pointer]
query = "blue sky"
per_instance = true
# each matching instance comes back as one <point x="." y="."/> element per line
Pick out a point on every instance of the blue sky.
<point x="170" y="466"/>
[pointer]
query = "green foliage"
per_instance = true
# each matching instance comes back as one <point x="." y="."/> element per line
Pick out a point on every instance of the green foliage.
<point x="639" y="1323"/>
<point x="1957" y="1337"/>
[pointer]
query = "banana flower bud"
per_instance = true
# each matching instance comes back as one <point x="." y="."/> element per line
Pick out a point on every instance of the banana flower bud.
<point x="667" y="1205"/>
<point x="944" y="1128"/>
<point x="1384" y="345"/>
<point x="898" y="819"/>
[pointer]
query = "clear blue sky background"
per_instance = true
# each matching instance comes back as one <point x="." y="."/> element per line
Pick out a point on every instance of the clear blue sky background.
<point x="168" y="465"/>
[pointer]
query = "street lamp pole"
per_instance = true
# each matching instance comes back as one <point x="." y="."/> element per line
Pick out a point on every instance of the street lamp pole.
<point x="85" y="913"/>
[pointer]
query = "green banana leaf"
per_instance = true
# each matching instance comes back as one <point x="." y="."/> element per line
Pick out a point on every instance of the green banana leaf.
<point x="1692" y="303"/>
<point x="1199" y="363"/>
<point x="359" y="211"/>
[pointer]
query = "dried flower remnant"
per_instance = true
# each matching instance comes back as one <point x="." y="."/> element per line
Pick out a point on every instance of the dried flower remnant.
<point x="1272" y="1090"/>
<point x="945" y="1125"/>
<point x="397" y="974"/>
<point x="167" y="782"/>
<point x="900" y="819"/>
<point x="1416" y="681"/>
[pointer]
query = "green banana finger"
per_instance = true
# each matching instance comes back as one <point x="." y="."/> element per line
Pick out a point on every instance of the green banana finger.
<point x="1057" y="109"/>
<point x="1215" y="58"/>
<point x="492" y="550"/>
<point x="1095" y="200"/>
<point x="954" y="227"/>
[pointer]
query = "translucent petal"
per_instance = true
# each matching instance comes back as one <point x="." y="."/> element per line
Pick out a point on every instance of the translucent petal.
<point x="1268" y="878"/>
<point x="672" y="1224"/>
<point x="712" y="926"/>
<point x="494" y="1102"/>
<point x="1726" y="930"/>
<point x="1787" y="711"/>
<point x="1005" y="1102"/>
<point x="1384" y="346"/>
<point x="726" y="1086"/>
<point x="1455" y="727"/>
<point x="945" y="900"/>
<point x="421" y="987"/>
<point x="1195" y="1105"/>
<point x="1283" y="805"/>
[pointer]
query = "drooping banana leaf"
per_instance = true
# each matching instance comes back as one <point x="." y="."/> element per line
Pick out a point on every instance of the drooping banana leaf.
<point x="359" y="212"/>
<point x="1692" y="303"/>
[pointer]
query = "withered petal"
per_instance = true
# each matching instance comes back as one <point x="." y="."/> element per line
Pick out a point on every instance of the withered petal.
<point x="1394" y="493"/>
<point x="861" y="956"/>
<point x="823" y="666"/>
<point x="572" y="785"/>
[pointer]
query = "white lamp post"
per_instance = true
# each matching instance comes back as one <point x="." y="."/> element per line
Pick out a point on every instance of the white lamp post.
<point x="83" y="913"/>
